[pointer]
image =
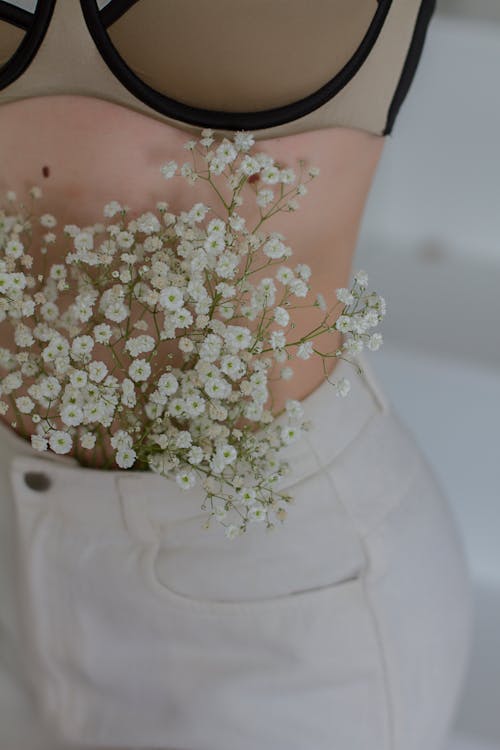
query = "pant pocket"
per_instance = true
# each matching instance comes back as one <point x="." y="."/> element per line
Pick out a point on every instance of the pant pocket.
<point x="117" y="659"/>
<point x="316" y="546"/>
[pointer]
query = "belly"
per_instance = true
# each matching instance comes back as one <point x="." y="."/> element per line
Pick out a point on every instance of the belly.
<point x="85" y="152"/>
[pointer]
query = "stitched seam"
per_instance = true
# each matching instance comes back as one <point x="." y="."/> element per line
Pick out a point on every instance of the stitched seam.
<point x="389" y="698"/>
<point x="389" y="701"/>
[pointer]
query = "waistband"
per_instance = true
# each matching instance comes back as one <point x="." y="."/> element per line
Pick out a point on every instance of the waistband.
<point x="336" y="422"/>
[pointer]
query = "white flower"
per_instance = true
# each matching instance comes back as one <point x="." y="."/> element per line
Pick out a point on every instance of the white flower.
<point x="290" y="433"/>
<point x="198" y="212"/>
<point x="148" y="223"/>
<point x="60" y="441"/>
<point x="171" y="298"/>
<point x="186" y="345"/>
<point x="183" y="439"/>
<point x="124" y="239"/>
<point x="217" y="388"/>
<point x="243" y="140"/>
<point x="281" y="316"/>
<point x="139" y="370"/>
<point x="116" y="311"/>
<point x="285" y="275"/>
<point x="17" y="281"/>
<point x="342" y="387"/>
<point x="82" y="346"/>
<point x="274" y="248"/>
<point x="139" y="345"/>
<point x="298" y="287"/>
<point x="125" y="457"/>
<point x="246" y="495"/>
<point x="112" y="208"/>
<point x="305" y="350"/>
<point x="361" y="277"/>
<point x="87" y="440"/>
<point x="227" y="453"/>
<point x="72" y="415"/>
<point x="210" y="348"/>
<point x="371" y="318"/>
<point x="14" y="248"/>
<point x="277" y="339"/>
<point x="232" y="366"/>
<point x="195" y="405"/>
<point x="257" y="512"/>
<point x="25" y="404"/>
<point x="294" y="409"/>
<point x="344" y="295"/>
<point x="121" y="440"/>
<point x="354" y="345"/>
<point x="343" y="323"/>
<point x="168" y="384"/>
<point x="58" y="271"/>
<point x="50" y="387"/>
<point x="237" y="337"/>
<point x="271" y="175"/>
<point x="169" y="169"/>
<point x="4" y="282"/>
<point x="97" y="371"/>
<point x="195" y="455"/>
<point x="47" y="220"/>
<point x="39" y="443"/>
<point x="264" y="197"/>
<point x="232" y="531"/>
<point x="321" y="302"/>
<point x="102" y="333"/>
<point x="83" y="241"/>
<point x="287" y="176"/>
<point x="375" y="341"/>
<point x="176" y="407"/>
<point x="226" y="151"/>
<point x="78" y="378"/>
<point x="185" y="479"/>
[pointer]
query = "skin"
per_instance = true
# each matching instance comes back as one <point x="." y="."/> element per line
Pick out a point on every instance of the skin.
<point x="86" y="152"/>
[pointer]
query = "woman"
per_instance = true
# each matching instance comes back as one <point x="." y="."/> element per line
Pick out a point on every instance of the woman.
<point x="126" y="624"/>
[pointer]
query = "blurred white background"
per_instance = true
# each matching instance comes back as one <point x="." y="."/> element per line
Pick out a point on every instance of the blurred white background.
<point x="430" y="242"/>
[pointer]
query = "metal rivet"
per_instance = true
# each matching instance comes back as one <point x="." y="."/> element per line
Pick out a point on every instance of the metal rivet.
<point x="37" y="480"/>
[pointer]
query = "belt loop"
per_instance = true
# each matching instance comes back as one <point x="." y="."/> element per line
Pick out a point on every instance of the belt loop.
<point x="134" y="505"/>
<point x="372" y="382"/>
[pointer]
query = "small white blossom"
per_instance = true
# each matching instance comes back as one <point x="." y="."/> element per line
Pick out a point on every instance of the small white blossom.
<point x="25" y="404"/>
<point x="169" y="169"/>
<point x="125" y="457"/>
<point x="139" y="370"/>
<point x="60" y="441"/>
<point x="185" y="479"/>
<point x="342" y="387"/>
<point x="39" y="443"/>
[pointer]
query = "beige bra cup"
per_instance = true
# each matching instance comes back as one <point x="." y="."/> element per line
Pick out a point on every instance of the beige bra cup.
<point x="275" y="67"/>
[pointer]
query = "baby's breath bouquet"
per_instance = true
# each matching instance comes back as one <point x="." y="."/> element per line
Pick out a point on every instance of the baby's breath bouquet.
<point x="197" y="411"/>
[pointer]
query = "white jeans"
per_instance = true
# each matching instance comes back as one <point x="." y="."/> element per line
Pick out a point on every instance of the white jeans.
<point x="346" y="628"/>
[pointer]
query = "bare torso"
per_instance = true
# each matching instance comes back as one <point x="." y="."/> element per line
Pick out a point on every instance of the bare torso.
<point x="97" y="151"/>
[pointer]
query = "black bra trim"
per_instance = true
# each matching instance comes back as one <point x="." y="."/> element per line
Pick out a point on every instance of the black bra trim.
<point x="24" y="54"/>
<point x="163" y="104"/>
<point x="16" y="16"/>
<point x="115" y="10"/>
<point x="218" y="119"/>
<point x="425" y="14"/>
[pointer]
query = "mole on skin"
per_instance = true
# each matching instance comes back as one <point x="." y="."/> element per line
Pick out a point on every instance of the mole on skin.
<point x="45" y="171"/>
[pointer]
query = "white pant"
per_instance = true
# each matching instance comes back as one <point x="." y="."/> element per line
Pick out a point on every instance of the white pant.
<point x="347" y="628"/>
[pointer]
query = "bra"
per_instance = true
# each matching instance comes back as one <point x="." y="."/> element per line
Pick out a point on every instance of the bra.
<point x="274" y="67"/>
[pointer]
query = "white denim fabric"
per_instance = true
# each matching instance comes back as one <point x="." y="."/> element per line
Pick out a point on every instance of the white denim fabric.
<point x="125" y="624"/>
